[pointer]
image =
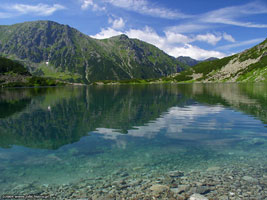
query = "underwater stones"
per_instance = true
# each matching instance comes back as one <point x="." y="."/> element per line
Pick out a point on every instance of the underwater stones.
<point x="22" y="187"/>
<point x="158" y="185"/>
<point x="45" y="185"/>
<point x="124" y="174"/>
<point x="159" y="188"/>
<point x="197" y="197"/>
<point x="137" y="168"/>
<point x="213" y="169"/>
<point x="175" y="174"/>
<point x="135" y="182"/>
<point x="175" y="190"/>
<point x="231" y="194"/>
<point x="82" y="185"/>
<point x="180" y="189"/>
<point x="250" y="179"/>
<point x="202" y="189"/>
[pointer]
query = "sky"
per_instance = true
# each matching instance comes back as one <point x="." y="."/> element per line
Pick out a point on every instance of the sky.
<point x="196" y="28"/>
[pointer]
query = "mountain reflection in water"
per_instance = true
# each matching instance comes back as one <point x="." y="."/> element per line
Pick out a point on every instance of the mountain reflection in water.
<point x="48" y="118"/>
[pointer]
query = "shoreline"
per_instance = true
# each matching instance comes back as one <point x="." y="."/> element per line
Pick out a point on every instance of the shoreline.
<point x="239" y="181"/>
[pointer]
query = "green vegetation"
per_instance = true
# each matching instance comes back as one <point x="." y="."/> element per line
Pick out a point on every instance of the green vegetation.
<point x="203" y="68"/>
<point x="129" y="81"/>
<point x="14" y="74"/>
<point x="8" y="66"/>
<point x="61" y="52"/>
<point x="187" y="60"/>
<point x="206" y="67"/>
<point x="34" y="81"/>
<point x="254" y="52"/>
<point x="255" y="71"/>
<point x="212" y="70"/>
<point x="50" y="72"/>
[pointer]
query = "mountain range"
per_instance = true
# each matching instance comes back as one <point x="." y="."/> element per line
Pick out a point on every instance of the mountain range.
<point x="53" y="50"/>
<point x="57" y="51"/>
<point x="192" y="62"/>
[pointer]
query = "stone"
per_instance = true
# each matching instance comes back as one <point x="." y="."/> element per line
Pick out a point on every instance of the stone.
<point x="224" y="197"/>
<point x="159" y="188"/>
<point x="231" y="194"/>
<point x="197" y="197"/>
<point x="180" y="189"/>
<point x="250" y="179"/>
<point x="203" y="190"/>
<point x="124" y="174"/>
<point x="175" y="190"/>
<point x="175" y="174"/>
<point x="213" y="169"/>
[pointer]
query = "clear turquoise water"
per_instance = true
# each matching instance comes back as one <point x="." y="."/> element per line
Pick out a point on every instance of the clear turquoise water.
<point x="62" y="135"/>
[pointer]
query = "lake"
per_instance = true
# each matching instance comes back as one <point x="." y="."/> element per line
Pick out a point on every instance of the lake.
<point x="166" y="141"/>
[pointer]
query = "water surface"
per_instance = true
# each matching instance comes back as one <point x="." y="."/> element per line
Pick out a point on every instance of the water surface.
<point x="62" y="137"/>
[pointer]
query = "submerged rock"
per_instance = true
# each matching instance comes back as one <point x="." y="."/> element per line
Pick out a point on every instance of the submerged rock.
<point x="159" y="188"/>
<point x="197" y="197"/>
<point x="174" y="174"/>
<point x="203" y="190"/>
<point x="180" y="189"/>
<point x="213" y="169"/>
<point x="250" y="179"/>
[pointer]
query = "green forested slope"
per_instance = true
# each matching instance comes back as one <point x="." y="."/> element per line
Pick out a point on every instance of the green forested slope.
<point x="247" y="66"/>
<point x="59" y="51"/>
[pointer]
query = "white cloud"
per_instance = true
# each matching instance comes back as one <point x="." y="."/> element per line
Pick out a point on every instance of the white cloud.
<point x="239" y="44"/>
<point x="117" y="23"/>
<point x="90" y="3"/>
<point x="194" y="52"/>
<point x="188" y="28"/>
<point x="173" y="37"/>
<point x="172" y="43"/>
<point x="86" y="4"/>
<point x="140" y="6"/>
<point x="4" y="15"/>
<point x="39" y="9"/>
<point x="209" y="38"/>
<point x="107" y="33"/>
<point x="177" y="120"/>
<point x="228" y="37"/>
<point x="147" y="35"/>
<point x="147" y="8"/>
<point x="230" y="15"/>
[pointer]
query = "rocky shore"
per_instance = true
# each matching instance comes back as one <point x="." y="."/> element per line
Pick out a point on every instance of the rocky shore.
<point x="237" y="182"/>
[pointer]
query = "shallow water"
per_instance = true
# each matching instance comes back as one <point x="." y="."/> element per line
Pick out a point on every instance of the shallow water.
<point x="53" y="137"/>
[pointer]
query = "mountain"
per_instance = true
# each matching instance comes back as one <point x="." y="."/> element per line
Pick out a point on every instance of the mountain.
<point x="192" y="62"/>
<point x="247" y="66"/>
<point x="59" y="51"/>
<point x="187" y="60"/>
<point x="210" y="59"/>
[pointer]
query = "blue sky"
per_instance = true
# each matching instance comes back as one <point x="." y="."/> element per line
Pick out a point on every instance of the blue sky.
<point x="195" y="28"/>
